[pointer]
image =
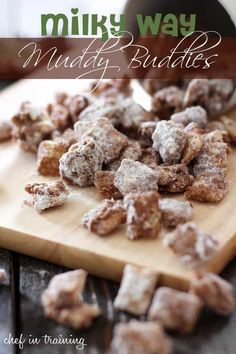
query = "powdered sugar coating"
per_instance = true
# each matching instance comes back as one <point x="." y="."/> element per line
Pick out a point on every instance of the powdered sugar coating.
<point x="169" y="139"/>
<point x="175" y="212"/>
<point x="132" y="151"/>
<point x="136" y="290"/>
<point x="139" y="338"/>
<point x="193" y="246"/>
<point x="47" y="195"/>
<point x="195" y="114"/>
<point x="175" y="310"/>
<point x="105" y="218"/>
<point x="81" y="162"/>
<point x="110" y="140"/>
<point x="143" y="215"/>
<point x="135" y="177"/>
<point x="215" y="292"/>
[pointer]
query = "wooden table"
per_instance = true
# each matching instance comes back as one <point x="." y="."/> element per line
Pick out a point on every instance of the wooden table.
<point x="21" y="312"/>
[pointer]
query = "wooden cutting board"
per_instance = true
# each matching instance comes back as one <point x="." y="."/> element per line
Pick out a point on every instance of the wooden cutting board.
<point x="57" y="236"/>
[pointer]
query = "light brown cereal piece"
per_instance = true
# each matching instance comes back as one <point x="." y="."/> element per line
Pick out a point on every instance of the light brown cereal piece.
<point x="76" y="316"/>
<point x="31" y="126"/>
<point x="143" y="215"/>
<point x="136" y="289"/>
<point x="150" y="158"/>
<point x="3" y="275"/>
<point x="64" y="289"/>
<point x="47" y="195"/>
<point x="230" y="126"/>
<point x="167" y="101"/>
<point x="169" y="139"/>
<point x="135" y="177"/>
<point x="49" y="154"/>
<point x="59" y="116"/>
<point x="104" y="182"/>
<point x="81" y="162"/>
<point x="76" y="105"/>
<point x="102" y="107"/>
<point x="208" y="187"/>
<point x="192" y="245"/>
<point x="195" y="114"/>
<point x="132" y="151"/>
<point x="110" y="140"/>
<point x="215" y="292"/>
<point x="105" y="218"/>
<point x="175" y="310"/>
<point x="192" y="148"/>
<point x="175" y="212"/>
<point x="139" y="338"/>
<point x="174" y="178"/>
<point x="146" y="131"/>
<point x="5" y="131"/>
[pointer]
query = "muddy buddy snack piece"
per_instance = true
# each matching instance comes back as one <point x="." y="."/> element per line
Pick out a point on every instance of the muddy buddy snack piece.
<point x="105" y="218"/>
<point x="31" y="126"/>
<point x="139" y="338"/>
<point x="143" y="215"/>
<point x="196" y="115"/>
<point x="192" y="245"/>
<point x="136" y="290"/>
<point x="47" y="195"/>
<point x="215" y="292"/>
<point x="111" y="87"/>
<point x="167" y="101"/>
<point x="175" y="310"/>
<point x="110" y="140"/>
<point x="193" y="146"/>
<point x="150" y="158"/>
<point x="230" y="126"/>
<point x="81" y="162"/>
<point x="133" y="115"/>
<point x="5" y="131"/>
<point x="174" y="178"/>
<point x="74" y="316"/>
<point x="175" y="212"/>
<point x="169" y="139"/>
<point x="65" y="289"/>
<point x="49" y="154"/>
<point x="135" y="177"/>
<point x="104" y="182"/>
<point x="213" y="95"/>
<point x="76" y="105"/>
<point x="59" y="116"/>
<point x="208" y="187"/>
<point x="132" y="151"/>
<point x="3" y="275"/>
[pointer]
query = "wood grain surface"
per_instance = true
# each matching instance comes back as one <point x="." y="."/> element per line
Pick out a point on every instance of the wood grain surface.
<point x="57" y="236"/>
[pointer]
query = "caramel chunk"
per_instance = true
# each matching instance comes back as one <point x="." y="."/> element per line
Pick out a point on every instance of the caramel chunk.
<point x="192" y="245"/>
<point x="104" y="182"/>
<point x="136" y="290"/>
<point x="49" y="154"/>
<point x="191" y="115"/>
<point x="167" y="101"/>
<point x="105" y="218"/>
<point x="47" y="195"/>
<point x="169" y="139"/>
<point x="174" y="178"/>
<point x="175" y="310"/>
<point x="215" y="292"/>
<point x="81" y="162"/>
<point x="143" y="215"/>
<point x="110" y="140"/>
<point x="5" y="131"/>
<point x="139" y="338"/>
<point x="135" y="177"/>
<point x="175" y="212"/>
<point x="31" y="126"/>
